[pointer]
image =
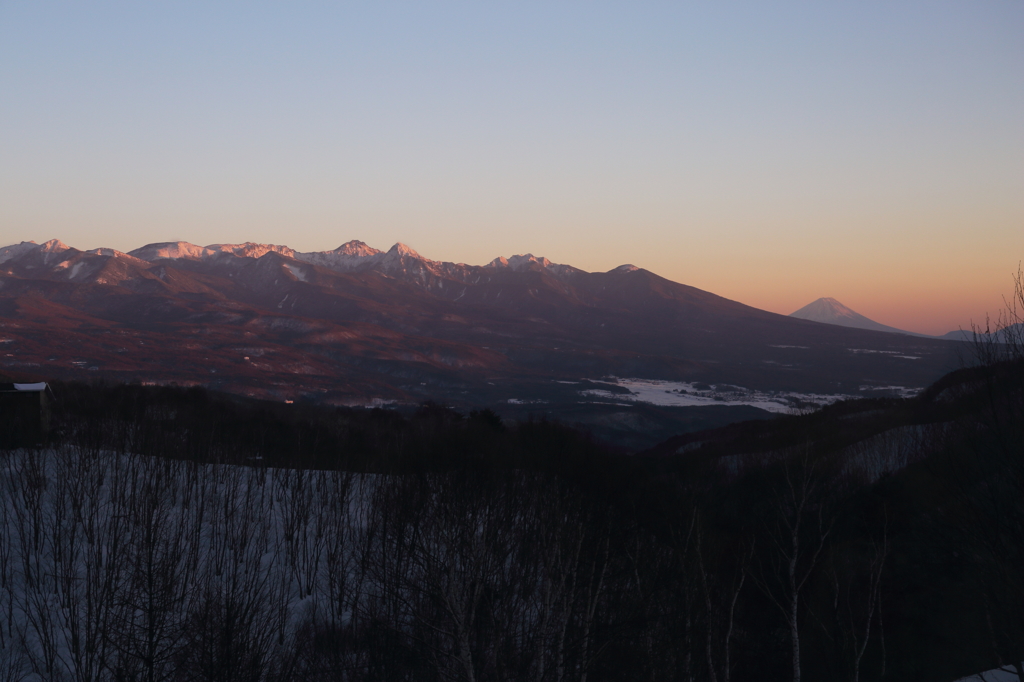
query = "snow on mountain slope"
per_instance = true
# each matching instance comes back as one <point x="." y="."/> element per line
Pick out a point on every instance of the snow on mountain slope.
<point x="14" y="250"/>
<point x="52" y="249"/>
<point x="345" y="258"/>
<point x="170" y="250"/>
<point x="354" y="256"/>
<point x="41" y="254"/>
<point x="520" y="262"/>
<point x="831" y="311"/>
<point x="251" y="249"/>
<point x="102" y="251"/>
<point x="299" y="273"/>
<point x="524" y="262"/>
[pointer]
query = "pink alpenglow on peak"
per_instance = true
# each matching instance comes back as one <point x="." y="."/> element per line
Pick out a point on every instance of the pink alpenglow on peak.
<point x="252" y="250"/>
<point x="520" y="262"/>
<point x="171" y="251"/>
<point x="355" y="248"/>
<point x="401" y="249"/>
<point x="53" y="246"/>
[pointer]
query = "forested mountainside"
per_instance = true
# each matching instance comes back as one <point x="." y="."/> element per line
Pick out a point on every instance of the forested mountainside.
<point x="356" y="324"/>
<point x="172" y="533"/>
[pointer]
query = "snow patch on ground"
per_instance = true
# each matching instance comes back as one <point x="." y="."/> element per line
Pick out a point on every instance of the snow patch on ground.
<point x="1006" y="674"/>
<point x="76" y="270"/>
<point x="899" y="391"/>
<point x="297" y="271"/>
<point x="696" y="394"/>
<point x="77" y="527"/>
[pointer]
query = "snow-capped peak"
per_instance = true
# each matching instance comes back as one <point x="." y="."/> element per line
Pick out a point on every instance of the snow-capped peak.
<point x="114" y="253"/>
<point x="14" y="250"/>
<point x="53" y="246"/>
<point x="355" y="248"/>
<point x="251" y="249"/>
<point x="625" y="268"/>
<point x="170" y="250"/>
<point x="347" y="257"/>
<point x="825" y="308"/>
<point x="830" y="311"/>
<point x="398" y="258"/>
<point x="47" y="249"/>
<point x="352" y="256"/>
<point x="401" y="249"/>
<point x="520" y="262"/>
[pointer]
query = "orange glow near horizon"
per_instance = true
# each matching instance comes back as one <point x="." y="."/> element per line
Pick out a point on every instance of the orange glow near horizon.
<point x="932" y="296"/>
<point x="771" y="153"/>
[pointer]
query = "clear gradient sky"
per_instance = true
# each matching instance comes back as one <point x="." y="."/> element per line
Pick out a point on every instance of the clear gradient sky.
<point x="768" y="152"/>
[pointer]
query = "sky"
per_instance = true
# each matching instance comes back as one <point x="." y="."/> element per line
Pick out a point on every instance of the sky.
<point x="772" y="153"/>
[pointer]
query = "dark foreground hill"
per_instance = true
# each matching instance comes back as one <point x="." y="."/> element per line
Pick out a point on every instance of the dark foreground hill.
<point x="883" y="537"/>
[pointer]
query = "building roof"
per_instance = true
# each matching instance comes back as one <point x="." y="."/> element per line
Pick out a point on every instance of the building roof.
<point x="11" y="388"/>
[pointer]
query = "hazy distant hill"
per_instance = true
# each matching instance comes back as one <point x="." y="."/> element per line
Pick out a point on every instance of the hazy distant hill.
<point x="1005" y="335"/>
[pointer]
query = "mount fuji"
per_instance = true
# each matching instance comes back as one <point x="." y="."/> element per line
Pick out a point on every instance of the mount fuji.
<point x="831" y="311"/>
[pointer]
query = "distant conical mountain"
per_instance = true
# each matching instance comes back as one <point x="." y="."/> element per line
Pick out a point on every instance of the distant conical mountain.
<point x="831" y="311"/>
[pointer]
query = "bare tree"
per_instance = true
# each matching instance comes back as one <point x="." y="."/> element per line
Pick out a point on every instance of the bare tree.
<point x="162" y="553"/>
<point x="855" y="577"/>
<point x="721" y="591"/>
<point x="986" y="516"/>
<point x="796" y="537"/>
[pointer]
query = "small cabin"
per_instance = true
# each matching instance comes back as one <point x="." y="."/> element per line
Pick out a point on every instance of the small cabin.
<point x="24" y="415"/>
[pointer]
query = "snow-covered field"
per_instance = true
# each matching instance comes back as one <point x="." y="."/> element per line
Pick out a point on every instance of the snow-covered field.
<point x="899" y="391"/>
<point x="124" y="563"/>
<point x="692" y="394"/>
<point x="1006" y="674"/>
<point x="125" y="567"/>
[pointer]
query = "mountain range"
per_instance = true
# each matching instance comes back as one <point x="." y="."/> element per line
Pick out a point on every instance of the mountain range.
<point x="357" y="325"/>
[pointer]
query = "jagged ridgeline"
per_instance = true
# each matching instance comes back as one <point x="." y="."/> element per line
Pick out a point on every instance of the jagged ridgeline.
<point x="176" y="533"/>
<point x="361" y="326"/>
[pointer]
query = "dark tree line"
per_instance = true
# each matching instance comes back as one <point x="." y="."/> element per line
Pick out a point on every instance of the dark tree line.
<point x="173" y="534"/>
